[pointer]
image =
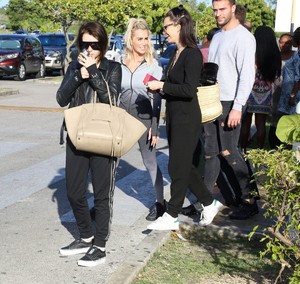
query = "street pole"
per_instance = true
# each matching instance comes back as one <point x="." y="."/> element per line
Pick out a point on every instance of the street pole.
<point x="293" y="16"/>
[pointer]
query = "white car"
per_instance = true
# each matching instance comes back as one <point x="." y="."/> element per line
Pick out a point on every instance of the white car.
<point x="115" y="50"/>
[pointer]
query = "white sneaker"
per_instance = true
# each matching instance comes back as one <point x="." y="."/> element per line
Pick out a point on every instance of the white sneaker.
<point x="209" y="212"/>
<point x="165" y="222"/>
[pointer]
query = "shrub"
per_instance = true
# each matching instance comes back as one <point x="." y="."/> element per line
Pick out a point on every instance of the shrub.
<point x="278" y="171"/>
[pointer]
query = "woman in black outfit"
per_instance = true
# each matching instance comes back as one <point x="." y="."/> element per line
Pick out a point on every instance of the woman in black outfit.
<point x="182" y="77"/>
<point x="83" y="78"/>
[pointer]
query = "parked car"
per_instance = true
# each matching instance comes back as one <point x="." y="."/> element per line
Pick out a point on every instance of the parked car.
<point x="21" y="32"/>
<point x="21" y="54"/>
<point x="115" y="49"/>
<point x="35" y="32"/>
<point x="55" y="47"/>
<point x="166" y="55"/>
<point x="159" y="46"/>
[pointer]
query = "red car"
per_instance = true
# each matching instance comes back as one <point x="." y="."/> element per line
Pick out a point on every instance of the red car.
<point x="20" y="55"/>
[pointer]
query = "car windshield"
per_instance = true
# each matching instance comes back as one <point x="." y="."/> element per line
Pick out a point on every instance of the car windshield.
<point x="9" y="44"/>
<point x="115" y="44"/>
<point x="169" y="51"/>
<point x="52" y="40"/>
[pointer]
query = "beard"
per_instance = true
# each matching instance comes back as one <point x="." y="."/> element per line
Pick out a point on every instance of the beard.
<point x="224" y="22"/>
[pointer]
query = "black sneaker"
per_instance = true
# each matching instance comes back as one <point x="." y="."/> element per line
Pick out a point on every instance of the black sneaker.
<point x="244" y="211"/>
<point x="93" y="257"/>
<point x="156" y="210"/>
<point x="193" y="209"/>
<point x="76" y="247"/>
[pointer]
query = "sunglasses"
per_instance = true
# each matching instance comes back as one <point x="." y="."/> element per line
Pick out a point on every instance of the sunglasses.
<point x="166" y="26"/>
<point x="96" y="45"/>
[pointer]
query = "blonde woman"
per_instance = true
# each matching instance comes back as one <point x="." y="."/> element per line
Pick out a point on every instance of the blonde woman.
<point x="135" y="98"/>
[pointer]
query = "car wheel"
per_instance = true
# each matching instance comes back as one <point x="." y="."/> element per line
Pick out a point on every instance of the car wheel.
<point x="21" y="73"/>
<point x="41" y="73"/>
<point x="49" y="72"/>
<point x="62" y="71"/>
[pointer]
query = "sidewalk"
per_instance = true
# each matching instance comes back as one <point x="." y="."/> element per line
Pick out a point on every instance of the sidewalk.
<point x="35" y="216"/>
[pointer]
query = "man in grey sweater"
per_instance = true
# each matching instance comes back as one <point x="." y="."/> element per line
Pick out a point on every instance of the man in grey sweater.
<point x="233" y="49"/>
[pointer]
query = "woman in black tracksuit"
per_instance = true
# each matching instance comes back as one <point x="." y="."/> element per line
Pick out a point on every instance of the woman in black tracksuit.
<point x="183" y="118"/>
<point x="83" y="78"/>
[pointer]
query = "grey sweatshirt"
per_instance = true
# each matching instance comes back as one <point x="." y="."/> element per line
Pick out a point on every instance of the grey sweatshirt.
<point x="234" y="52"/>
<point x="135" y="98"/>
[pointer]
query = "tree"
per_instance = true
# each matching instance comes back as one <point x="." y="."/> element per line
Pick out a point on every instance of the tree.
<point x="17" y="12"/>
<point x="63" y="13"/>
<point x="259" y="13"/>
<point x="205" y="20"/>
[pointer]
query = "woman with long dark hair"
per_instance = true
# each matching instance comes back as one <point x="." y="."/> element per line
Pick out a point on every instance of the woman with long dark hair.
<point x="268" y="68"/>
<point x="183" y="119"/>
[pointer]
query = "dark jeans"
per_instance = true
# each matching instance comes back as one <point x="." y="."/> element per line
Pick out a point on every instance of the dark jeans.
<point x="220" y="138"/>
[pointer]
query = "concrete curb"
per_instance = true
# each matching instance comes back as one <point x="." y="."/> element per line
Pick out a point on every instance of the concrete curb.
<point x="139" y="258"/>
<point x="7" y="92"/>
<point x="49" y="80"/>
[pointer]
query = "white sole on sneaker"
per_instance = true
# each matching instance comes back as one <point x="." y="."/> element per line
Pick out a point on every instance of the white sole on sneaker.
<point x="65" y="252"/>
<point x="164" y="223"/>
<point x="175" y="227"/>
<point x="90" y="263"/>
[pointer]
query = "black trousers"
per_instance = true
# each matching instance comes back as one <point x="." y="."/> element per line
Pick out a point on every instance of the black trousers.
<point x="184" y="148"/>
<point x="103" y="168"/>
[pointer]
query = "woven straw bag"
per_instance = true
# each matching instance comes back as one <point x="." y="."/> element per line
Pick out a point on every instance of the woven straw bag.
<point x="209" y="101"/>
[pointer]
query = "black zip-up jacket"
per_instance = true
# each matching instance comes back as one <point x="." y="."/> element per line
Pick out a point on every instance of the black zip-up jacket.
<point x="75" y="91"/>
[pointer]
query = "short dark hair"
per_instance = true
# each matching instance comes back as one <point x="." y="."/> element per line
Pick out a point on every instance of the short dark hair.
<point x="211" y="33"/>
<point x="98" y="31"/>
<point x="296" y="36"/>
<point x="240" y="13"/>
<point x="232" y="2"/>
<point x="179" y="15"/>
<point x="285" y="34"/>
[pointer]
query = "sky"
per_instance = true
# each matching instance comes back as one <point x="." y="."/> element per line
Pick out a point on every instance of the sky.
<point x="3" y="2"/>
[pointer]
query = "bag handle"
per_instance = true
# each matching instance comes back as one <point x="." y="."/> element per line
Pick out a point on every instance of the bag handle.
<point x="108" y="91"/>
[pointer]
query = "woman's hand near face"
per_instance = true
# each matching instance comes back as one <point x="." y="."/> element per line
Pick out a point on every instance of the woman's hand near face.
<point x="86" y="60"/>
